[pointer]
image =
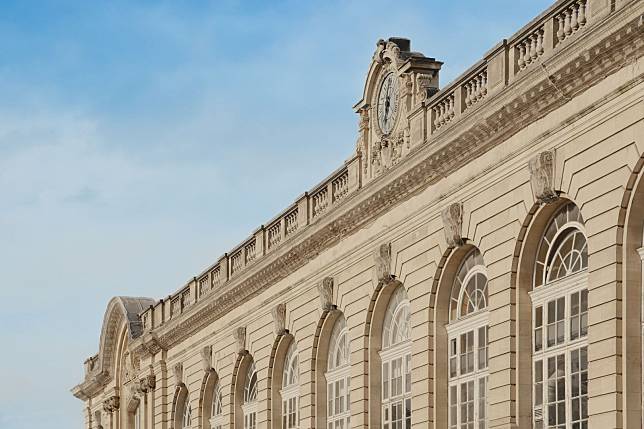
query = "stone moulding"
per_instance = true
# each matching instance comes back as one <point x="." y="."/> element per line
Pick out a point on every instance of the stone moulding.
<point x="507" y="112"/>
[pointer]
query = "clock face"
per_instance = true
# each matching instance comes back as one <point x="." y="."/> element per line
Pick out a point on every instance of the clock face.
<point x="388" y="103"/>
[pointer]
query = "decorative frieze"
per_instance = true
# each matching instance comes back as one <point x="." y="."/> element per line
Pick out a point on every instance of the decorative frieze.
<point x="239" y="335"/>
<point x="279" y="318"/>
<point x="325" y="291"/>
<point x="452" y="216"/>
<point x="206" y="358"/>
<point x="542" y="177"/>
<point x="382" y="259"/>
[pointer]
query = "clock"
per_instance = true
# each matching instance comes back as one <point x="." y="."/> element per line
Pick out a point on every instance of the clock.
<point x="388" y="103"/>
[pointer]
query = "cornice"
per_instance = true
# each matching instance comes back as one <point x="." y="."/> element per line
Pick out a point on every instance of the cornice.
<point x="604" y="49"/>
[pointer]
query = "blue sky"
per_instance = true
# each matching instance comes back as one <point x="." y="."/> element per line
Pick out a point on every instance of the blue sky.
<point x="139" y="141"/>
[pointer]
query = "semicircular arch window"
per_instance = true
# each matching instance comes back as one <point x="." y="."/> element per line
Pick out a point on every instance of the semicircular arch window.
<point x="469" y="291"/>
<point x="563" y="250"/>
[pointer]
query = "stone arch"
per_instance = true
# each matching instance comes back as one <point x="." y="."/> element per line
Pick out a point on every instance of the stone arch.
<point x="373" y="336"/>
<point x="242" y="363"/>
<point x="179" y="402"/>
<point x="630" y="233"/>
<point x="122" y="312"/>
<point x="206" y="392"/>
<point x="323" y="331"/>
<point x="275" y="367"/>
<point x="521" y="280"/>
<point x="439" y="318"/>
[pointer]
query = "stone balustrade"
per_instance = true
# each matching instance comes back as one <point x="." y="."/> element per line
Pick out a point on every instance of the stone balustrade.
<point x="475" y="89"/>
<point x="500" y="67"/>
<point x="320" y="201"/>
<point x="290" y="221"/>
<point x="571" y="19"/>
<point x="444" y="111"/>
<point x="274" y="235"/>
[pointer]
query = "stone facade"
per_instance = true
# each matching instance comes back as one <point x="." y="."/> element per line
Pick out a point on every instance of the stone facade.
<point x="508" y="205"/>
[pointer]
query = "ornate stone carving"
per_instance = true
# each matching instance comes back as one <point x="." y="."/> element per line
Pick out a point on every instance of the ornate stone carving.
<point x="178" y="373"/>
<point x="382" y="257"/>
<point x="325" y="291"/>
<point x="112" y="404"/>
<point x="389" y="51"/>
<point x="426" y="86"/>
<point x="206" y="358"/>
<point x="279" y="318"/>
<point x="542" y="177"/>
<point x="239" y="335"/>
<point x="453" y="224"/>
<point x="147" y="384"/>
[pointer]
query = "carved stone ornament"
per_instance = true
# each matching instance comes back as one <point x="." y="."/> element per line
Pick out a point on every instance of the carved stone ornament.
<point x="325" y="290"/>
<point x="147" y="384"/>
<point x="389" y="51"/>
<point x="426" y="86"/>
<point x="453" y="224"/>
<point x="542" y="177"/>
<point x="279" y="318"/>
<point x="239" y="335"/>
<point x="382" y="257"/>
<point x="206" y="358"/>
<point x="178" y="374"/>
<point x="111" y="404"/>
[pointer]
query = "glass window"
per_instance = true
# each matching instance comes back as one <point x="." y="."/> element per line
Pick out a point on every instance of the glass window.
<point x="249" y="406"/>
<point x="290" y="389"/>
<point x="338" y="377"/>
<point x="468" y="345"/>
<point x="396" y="363"/>
<point x="560" y="325"/>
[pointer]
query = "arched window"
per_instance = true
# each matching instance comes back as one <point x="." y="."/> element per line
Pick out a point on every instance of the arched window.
<point x="468" y="342"/>
<point x="250" y="405"/>
<point x="396" y="363"/>
<point x="560" y="324"/>
<point x="337" y="377"/>
<point x="290" y="389"/>
<point x="187" y="415"/>
<point x="216" y="419"/>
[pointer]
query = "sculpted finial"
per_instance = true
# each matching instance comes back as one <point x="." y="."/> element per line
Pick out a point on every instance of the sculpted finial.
<point x="542" y="177"/>
<point x="325" y="291"/>
<point x="453" y="224"/>
<point x="279" y="318"/>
